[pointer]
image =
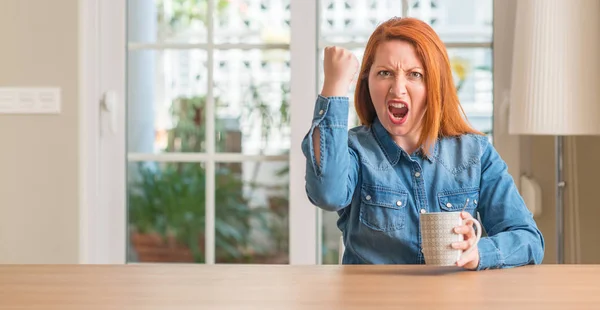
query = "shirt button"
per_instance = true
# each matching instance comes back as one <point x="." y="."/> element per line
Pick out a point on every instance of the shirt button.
<point x="398" y="203"/>
<point x="449" y="205"/>
<point x="368" y="197"/>
<point x="475" y="201"/>
<point x="321" y="112"/>
<point x="423" y="211"/>
<point x="417" y="174"/>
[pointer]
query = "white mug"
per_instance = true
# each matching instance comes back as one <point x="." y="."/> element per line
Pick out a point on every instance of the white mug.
<point x="437" y="236"/>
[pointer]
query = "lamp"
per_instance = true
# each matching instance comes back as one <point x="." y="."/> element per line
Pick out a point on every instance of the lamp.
<point x="556" y="78"/>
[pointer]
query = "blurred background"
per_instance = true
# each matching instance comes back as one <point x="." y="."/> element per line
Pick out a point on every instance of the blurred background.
<point x="198" y="166"/>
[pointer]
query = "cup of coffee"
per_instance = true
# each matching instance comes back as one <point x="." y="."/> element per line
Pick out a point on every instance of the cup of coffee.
<point x="437" y="236"/>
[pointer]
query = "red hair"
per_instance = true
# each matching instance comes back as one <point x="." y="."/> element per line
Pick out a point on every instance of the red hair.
<point x="444" y="115"/>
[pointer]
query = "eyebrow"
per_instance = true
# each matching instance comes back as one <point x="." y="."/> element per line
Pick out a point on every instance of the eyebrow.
<point x="410" y="69"/>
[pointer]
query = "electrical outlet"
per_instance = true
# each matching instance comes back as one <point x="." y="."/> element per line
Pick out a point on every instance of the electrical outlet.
<point x="21" y="100"/>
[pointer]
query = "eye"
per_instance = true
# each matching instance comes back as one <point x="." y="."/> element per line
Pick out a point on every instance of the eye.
<point x="416" y="75"/>
<point x="384" y="73"/>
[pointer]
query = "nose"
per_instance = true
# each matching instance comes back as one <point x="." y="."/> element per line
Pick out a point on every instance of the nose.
<point x="398" y="87"/>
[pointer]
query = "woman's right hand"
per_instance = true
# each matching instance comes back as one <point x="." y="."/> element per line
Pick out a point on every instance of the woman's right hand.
<point x="340" y="66"/>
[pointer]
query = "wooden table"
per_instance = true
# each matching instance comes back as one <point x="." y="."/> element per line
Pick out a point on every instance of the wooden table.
<point x="166" y="286"/>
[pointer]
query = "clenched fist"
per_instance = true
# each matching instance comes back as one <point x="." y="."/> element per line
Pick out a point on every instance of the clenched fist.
<point x="340" y="67"/>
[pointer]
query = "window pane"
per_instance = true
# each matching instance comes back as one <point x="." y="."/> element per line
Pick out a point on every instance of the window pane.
<point x="166" y="208"/>
<point x="166" y="101"/>
<point x="166" y="212"/>
<point x="247" y="21"/>
<point x="472" y="71"/>
<point x="181" y="21"/>
<point x="456" y="20"/>
<point x="252" y="210"/>
<point x="252" y="95"/>
<point x="173" y="21"/>
<point x="331" y="238"/>
<point x="354" y="20"/>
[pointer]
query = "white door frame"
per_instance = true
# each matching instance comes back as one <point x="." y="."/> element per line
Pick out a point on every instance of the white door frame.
<point x="304" y="224"/>
<point x="102" y="229"/>
<point x="102" y="49"/>
<point x="88" y="123"/>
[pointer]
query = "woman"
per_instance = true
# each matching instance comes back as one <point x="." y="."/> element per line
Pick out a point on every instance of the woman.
<point x="414" y="153"/>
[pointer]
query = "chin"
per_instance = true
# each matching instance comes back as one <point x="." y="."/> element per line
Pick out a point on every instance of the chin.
<point x="397" y="130"/>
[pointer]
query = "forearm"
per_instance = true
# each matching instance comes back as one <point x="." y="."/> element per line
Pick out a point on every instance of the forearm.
<point x="335" y="89"/>
<point x="517" y="247"/>
<point x="514" y="238"/>
<point x="331" y="165"/>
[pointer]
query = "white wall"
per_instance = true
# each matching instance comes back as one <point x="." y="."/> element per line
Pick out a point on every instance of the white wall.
<point x="39" y="153"/>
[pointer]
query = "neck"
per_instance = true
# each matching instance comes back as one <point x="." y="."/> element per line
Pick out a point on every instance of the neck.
<point x="408" y="143"/>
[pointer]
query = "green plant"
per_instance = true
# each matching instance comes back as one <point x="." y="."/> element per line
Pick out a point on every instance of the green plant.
<point x="259" y="108"/>
<point x="189" y="133"/>
<point x="169" y="198"/>
<point x="185" y="12"/>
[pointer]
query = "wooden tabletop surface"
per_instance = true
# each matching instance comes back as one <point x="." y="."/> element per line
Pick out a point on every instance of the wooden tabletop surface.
<point x="179" y="286"/>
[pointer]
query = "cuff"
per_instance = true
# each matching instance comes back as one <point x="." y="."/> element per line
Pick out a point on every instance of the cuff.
<point x="489" y="255"/>
<point x="332" y="109"/>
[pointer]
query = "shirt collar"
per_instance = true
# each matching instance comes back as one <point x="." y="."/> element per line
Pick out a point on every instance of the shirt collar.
<point x="392" y="151"/>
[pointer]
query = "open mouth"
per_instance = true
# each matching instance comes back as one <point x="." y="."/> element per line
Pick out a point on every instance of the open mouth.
<point x="398" y="112"/>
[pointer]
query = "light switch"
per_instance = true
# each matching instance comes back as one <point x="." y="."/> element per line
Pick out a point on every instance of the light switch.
<point x="8" y="99"/>
<point x="21" y="100"/>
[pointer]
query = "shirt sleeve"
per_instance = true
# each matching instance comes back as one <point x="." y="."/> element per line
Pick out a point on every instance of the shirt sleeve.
<point x="331" y="183"/>
<point x="513" y="236"/>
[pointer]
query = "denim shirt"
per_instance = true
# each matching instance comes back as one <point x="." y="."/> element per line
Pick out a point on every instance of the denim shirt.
<point x="379" y="192"/>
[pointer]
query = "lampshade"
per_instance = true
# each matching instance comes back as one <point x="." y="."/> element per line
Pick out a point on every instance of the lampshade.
<point x="556" y="68"/>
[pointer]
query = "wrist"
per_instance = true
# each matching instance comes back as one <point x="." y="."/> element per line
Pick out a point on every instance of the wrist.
<point x="473" y="265"/>
<point x="334" y="89"/>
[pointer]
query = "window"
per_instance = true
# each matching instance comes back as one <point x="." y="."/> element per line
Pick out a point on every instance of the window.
<point x="208" y="131"/>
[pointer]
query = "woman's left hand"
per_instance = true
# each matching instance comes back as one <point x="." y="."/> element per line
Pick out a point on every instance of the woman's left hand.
<point x="470" y="260"/>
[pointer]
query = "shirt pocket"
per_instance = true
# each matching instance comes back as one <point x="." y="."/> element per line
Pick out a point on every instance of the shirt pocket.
<point x="454" y="201"/>
<point x="382" y="209"/>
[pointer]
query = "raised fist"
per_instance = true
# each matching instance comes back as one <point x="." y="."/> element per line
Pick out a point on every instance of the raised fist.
<point x="340" y="67"/>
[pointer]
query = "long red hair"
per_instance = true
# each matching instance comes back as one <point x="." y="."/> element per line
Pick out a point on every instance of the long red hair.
<point x="444" y="115"/>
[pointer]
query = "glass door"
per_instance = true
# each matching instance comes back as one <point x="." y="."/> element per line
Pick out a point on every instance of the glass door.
<point x="208" y="131"/>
